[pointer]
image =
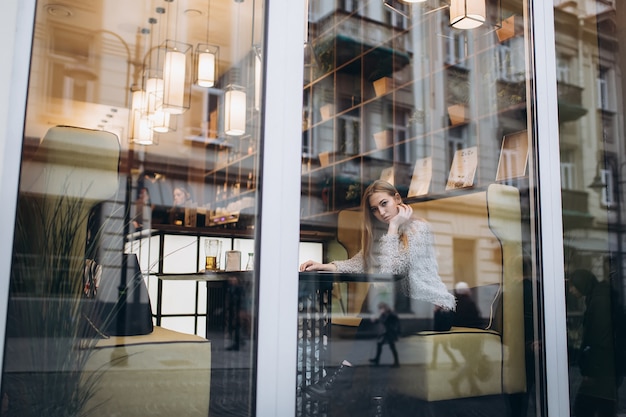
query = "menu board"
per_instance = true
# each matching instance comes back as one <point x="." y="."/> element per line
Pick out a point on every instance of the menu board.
<point x="422" y="175"/>
<point x="387" y="175"/>
<point x="463" y="168"/>
<point x="513" y="156"/>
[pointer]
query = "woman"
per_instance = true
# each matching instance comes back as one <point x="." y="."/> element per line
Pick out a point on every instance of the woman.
<point x="394" y="242"/>
<point x="180" y="198"/>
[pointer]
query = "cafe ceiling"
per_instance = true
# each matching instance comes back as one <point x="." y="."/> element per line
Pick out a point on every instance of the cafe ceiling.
<point x="88" y="54"/>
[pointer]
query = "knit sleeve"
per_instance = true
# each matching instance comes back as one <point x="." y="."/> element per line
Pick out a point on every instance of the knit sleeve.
<point x="352" y="265"/>
<point x="418" y="263"/>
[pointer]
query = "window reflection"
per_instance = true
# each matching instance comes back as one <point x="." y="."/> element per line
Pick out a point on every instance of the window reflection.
<point x="592" y="149"/>
<point x="439" y="113"/>
<point x="127" y="170"/>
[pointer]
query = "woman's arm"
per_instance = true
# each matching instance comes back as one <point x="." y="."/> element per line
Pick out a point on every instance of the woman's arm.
<point x="316" y="266"/>
<point x="354" y="264"/>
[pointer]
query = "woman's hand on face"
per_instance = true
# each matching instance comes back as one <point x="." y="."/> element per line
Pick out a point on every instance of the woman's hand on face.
<point x="404" y="214"/>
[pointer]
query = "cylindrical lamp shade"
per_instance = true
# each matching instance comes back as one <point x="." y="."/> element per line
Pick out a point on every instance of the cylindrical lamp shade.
<point x="141" y="131"/>
<point x="153" y="97"/>
<point x="160" y="121"/>
<point x="137" y="101"/>
<point x="206" y="65"/>
<point x="174" y="82"/>
<point x="467" y="14"/>
<point x="235" y="111"/>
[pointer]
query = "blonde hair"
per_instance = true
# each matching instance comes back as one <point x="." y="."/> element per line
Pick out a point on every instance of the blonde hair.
<point x="367" y="233"/>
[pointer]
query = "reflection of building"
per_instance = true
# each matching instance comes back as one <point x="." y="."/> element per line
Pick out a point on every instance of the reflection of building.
<point x="592" y="138"/>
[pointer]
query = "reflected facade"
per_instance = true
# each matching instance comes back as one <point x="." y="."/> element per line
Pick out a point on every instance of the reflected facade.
<point x="394" y="92"/>
<point x="591" y="90"/>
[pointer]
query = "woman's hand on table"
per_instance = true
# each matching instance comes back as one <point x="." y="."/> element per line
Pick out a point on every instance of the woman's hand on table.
<point x="316" y="266"/>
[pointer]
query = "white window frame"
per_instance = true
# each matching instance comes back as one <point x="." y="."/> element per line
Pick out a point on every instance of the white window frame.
<point x="568" y="175"/>
<point x="603" y="86"/>
<point x="16" y="23"/>
<point x="607" y="196"/>
<point x="562" y="68"/>
<point x="279" y="228"/>
<point x="542" y="66"/>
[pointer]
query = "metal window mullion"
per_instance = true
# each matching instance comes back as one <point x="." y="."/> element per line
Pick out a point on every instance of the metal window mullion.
<point x="279" y="220"/>
<point x="549" y="205"/>
<point x="17" y="23"/>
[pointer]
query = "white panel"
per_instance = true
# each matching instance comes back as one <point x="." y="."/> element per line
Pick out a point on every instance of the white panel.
<point x="179" y="324"/>
<point x="178" y="297"/>
<point x="180" y="254"/>
<point x="311" y="250"/>
<point x="245" y="246"/>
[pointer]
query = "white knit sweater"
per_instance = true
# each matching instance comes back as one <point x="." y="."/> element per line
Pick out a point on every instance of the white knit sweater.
<point x="417" y="262"/>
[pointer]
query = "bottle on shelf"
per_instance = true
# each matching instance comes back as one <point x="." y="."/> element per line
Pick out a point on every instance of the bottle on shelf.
<point x="250" y="263"/>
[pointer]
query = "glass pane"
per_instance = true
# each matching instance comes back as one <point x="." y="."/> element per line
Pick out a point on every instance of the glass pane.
<point x="416" y="185"/>
<point x="593" y="154"/>
<point x="133" y="283"/>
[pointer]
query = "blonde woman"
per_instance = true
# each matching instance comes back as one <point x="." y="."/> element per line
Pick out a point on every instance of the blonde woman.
<point x="393" y="241"/>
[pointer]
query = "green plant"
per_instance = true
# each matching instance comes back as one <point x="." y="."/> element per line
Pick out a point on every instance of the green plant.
<point x="51" y="336"/>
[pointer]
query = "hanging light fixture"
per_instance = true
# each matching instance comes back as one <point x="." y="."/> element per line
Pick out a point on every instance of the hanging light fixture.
<point x="235" y="110"/>
<point x="176" y="74"/>
<point x="235" y="96"/>
<point x="139" y="130"/>
<point x="152" y="107"/>
<point x="206" y="58"/>
<point x="467" y="14"/>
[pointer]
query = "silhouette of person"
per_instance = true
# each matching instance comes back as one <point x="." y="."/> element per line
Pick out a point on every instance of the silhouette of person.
<point x="389" y="331"/>
<point x="470" y="348"/>
<point x="597" y="393"/>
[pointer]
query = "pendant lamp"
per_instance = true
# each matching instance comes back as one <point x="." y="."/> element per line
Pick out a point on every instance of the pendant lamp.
<point x="467" y="14"/>
<point x="235" y="110"/>
<point x="206" y="58"/>
<point x="176" y="73"/>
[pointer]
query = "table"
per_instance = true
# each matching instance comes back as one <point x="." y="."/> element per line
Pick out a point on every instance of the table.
<point x="314" y="320"/>
<point x="217" y="283"/>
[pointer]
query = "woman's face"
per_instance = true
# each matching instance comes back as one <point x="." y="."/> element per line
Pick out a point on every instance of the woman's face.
<point x="179" y="197"/>
<point x="383" y="206"/>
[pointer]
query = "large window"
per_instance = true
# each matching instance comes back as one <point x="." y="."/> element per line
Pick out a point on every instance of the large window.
<point x="434" y="117"/>
<point x="134" y="278"/>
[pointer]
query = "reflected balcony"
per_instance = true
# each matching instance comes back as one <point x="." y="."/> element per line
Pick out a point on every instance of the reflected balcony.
<point x="575" y="209"/>
<point x="570" y="102"/>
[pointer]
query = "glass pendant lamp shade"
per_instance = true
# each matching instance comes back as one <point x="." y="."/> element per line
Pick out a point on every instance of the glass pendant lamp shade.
<point x="153" y="97"/>
<point x="235" y="111"/>
<point x="141" y="132"/>
<point x="137" y="101"/>
<point x="206" y="65"/>
<point x="176" y="77"/>
<point x="160" y="121"/>
<point x="467" y="14"/>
